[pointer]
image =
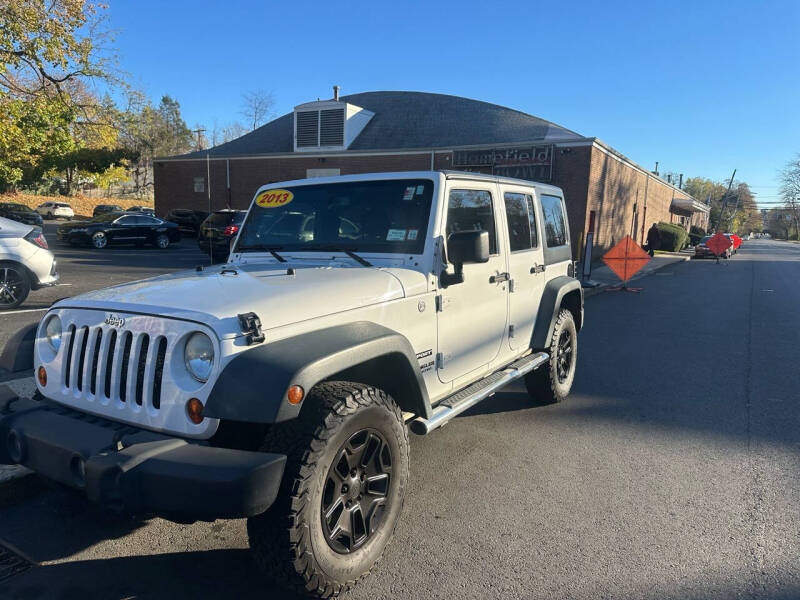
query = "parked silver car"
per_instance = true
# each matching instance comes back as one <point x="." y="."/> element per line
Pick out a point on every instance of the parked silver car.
<point x="25" y="262"/>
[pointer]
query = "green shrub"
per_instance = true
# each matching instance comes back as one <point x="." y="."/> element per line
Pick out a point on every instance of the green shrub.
<point x="696" y="234"/>
<point x="673" y="237"/>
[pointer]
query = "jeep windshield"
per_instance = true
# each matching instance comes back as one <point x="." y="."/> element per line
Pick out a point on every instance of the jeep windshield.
<point x="387" y="216"/>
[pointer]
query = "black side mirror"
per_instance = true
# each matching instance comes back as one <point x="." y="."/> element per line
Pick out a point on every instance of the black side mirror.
<point x="464" y="247"/>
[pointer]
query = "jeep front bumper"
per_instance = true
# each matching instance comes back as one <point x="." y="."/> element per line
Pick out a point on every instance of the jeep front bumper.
<point x="127" y="469"/>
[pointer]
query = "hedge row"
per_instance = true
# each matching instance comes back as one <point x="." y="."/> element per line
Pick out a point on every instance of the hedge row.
<point x="696" y="234"/>
<point x="673" y="237"/>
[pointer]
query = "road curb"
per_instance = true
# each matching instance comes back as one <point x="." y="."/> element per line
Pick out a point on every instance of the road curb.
<point x="593" y="291"/>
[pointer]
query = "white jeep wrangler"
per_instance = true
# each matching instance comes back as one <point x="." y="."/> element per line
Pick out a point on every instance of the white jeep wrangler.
<point x="278" y="386"/>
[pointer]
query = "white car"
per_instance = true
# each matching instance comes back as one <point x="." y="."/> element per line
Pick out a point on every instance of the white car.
<point x="55" y="210"/>
<point x="25" y="262"/>
<point x="284" y="379"/>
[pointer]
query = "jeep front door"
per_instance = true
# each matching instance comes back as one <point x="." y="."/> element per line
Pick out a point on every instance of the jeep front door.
<point x="472" y="314"/>
<point x="525" y="265"/>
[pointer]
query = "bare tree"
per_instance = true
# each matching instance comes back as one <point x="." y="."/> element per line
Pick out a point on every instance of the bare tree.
<point x="225" y="133"/>
<point x="257" y="107"/>
<point x="790" y="192"/>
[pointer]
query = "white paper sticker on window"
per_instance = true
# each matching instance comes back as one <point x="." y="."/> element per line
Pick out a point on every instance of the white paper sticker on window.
<point x="408" y="194"/>
<point x="420" y="189"/>
<point x="396" y="235"/>
<point x="412" y="235"/>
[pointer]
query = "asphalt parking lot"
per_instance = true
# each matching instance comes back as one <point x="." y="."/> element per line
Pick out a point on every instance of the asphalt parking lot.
<point x="672" y="471"/>
<point x="83" y="269"/>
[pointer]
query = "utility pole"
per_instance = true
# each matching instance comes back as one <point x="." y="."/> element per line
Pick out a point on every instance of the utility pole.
<point x="725" y="201"/>
<point x="199" y="131"/>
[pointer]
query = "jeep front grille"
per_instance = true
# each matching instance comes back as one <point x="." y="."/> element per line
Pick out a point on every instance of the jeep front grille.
<point x="125" y="367"/>
<point x="100" y="365"/>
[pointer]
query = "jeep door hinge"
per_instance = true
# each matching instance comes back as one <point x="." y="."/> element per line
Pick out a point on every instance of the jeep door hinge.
<point x="439" y="360"/>
<point x="511" y="286"/>
<point x="511" y="331"/>
<point x="251" y="328"/>
<point x="439" y="303"/>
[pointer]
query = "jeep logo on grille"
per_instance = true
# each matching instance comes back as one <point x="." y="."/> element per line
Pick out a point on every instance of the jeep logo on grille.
<point x="113" y="320"/>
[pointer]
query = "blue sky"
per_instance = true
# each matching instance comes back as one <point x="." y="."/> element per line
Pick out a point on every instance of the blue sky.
<point x="701" y="87"/>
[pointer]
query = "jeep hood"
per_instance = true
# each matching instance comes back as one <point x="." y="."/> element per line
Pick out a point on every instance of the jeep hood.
<point x="216" y="295"/>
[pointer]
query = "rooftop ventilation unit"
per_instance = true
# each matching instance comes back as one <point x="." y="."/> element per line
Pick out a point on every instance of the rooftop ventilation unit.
<point x="328" y="125"/>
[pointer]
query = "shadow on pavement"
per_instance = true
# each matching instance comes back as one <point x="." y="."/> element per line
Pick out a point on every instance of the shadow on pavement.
<point x="175" y="576"/>
<point x="49" y="522"/>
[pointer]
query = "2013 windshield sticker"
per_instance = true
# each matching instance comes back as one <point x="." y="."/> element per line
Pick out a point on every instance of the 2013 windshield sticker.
<point x="396" y="235"/>
<point x="409" y="193"/>
<point x="274" y="198"/>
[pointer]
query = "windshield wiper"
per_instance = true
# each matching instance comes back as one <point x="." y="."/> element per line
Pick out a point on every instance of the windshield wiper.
<point x="263" y="248"/>
<point x="334" y="248"/>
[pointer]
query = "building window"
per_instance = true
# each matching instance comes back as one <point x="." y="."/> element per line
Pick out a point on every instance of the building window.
<point x="521" y="221"/>
<point x="471" y="210"/>
<point x="555" y="229"/>
<point x="200" y="184"/>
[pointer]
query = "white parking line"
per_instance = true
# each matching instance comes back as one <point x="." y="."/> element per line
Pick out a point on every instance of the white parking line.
<point x="19" y="312"/>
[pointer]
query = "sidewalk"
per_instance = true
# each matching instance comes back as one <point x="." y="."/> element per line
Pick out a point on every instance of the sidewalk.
<point x="605" y="277"/>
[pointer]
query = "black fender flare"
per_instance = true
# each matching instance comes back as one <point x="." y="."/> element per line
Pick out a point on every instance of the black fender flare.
<point x="253" y="386"/>
<point x="554" y="292"/>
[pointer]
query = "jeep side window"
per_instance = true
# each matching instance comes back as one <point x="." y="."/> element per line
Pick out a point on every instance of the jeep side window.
<point x="555" y="229"/>
<point x="521" y="219"/>
<point x="471" y="210"/>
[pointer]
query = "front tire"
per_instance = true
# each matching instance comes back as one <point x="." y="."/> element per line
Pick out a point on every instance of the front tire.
<point x="99" y="240"/>
<point x="553" y="381"/>
<point x="162" y="242"/>
<point x="342" y="491"/>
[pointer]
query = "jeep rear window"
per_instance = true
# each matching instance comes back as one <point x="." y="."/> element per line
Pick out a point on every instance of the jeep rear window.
<point x="363" y="216"/>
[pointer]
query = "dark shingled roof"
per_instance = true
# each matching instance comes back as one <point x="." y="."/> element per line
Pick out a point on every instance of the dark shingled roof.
<point x="410" y="120"/>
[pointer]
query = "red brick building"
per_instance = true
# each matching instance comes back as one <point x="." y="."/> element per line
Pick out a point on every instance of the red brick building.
<point x="605" y="192"/>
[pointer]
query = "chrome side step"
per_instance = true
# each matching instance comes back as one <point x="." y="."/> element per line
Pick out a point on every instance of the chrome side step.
<point x="456" y="404"/>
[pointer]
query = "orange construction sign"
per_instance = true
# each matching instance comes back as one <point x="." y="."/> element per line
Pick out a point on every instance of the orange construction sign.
<point x="718" y="243"/>
<point x="626" y="258"/>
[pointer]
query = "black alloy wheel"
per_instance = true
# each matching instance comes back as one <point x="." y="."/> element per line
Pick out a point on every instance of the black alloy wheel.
<point x="564" y="355"/>
<point x="14" y="285"/>
<point x="355" y="490"/>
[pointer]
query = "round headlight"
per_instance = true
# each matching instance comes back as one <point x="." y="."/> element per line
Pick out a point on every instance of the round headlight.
<point x="52" y="331"/>
<point x="199" y="356"/>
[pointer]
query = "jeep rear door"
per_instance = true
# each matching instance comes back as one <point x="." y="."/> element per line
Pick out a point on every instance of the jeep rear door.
<point x="472" y="319"/>
<point x="525" y="263"/>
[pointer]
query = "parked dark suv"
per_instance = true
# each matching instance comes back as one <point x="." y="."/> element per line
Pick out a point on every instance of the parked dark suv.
<point x="102" y="209"/>
<point x="20" y="213"/>
<point x="187" y="220"/>
<point x="218" y="230"/>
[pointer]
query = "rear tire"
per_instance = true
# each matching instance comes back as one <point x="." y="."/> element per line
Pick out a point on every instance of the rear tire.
<point x="15" y="285"/>
<point x="553" y="381"/>
<point x="342" y="490"/>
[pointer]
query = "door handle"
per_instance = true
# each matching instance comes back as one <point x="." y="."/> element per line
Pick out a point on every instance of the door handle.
<point x="499" y="278"/>
<point x="537" y="269"/>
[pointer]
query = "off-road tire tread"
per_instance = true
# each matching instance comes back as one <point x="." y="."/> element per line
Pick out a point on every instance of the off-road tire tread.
<point x="542" y="384"/>
<point x="303" y="440"/>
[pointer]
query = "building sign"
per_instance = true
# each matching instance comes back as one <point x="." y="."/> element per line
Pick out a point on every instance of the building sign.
<point x="311" y="173"/>
<point x="535" y="163"/>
